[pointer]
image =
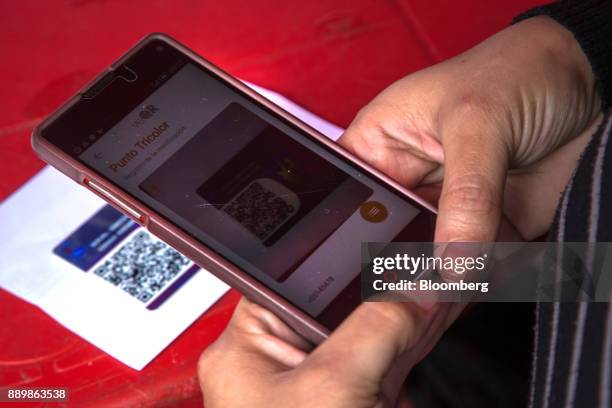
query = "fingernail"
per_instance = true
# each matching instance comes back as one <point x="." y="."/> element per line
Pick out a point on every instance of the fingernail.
<point x="476" y="252"/>
<point x="426" y="305"/>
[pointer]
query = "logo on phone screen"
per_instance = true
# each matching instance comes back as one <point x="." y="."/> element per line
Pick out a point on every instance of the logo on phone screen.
<point x="146" y="113"/>
<point x="373" y="211"/>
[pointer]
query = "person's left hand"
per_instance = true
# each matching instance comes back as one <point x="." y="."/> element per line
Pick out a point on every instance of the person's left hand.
<point x="260" y="362"/>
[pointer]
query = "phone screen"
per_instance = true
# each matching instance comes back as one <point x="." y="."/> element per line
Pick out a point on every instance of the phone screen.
<point x="253" y="187"/>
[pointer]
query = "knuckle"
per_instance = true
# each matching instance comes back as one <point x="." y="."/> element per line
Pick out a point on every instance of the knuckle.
<point x="362" y="121"/>
<point x="472" y="107"/>
<point x="260" y="313"/>
<point x="480" y="111"/>
<point x="249" y="317"/>
<point x="449" y="275"/>
<point x="366" y="114"/>
<point x="473" y="195"/>
<point x="475" y="103"/>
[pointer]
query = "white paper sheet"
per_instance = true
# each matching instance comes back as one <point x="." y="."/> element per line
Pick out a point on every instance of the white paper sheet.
<point x="44" y="212"/>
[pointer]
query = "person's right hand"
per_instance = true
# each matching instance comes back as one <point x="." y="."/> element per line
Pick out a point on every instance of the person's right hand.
<point x="506" y="115"/>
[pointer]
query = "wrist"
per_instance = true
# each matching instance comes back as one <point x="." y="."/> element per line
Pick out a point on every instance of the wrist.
<point x="552" y="95"/>
<point x="563" y="49"/>
<point x="588" y="22"/>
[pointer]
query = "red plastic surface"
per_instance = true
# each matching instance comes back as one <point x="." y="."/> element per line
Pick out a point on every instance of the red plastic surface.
<point x="330" y="56"/>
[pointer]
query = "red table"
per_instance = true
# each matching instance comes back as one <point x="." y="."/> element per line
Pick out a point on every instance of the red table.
<point x="329" y="56"/>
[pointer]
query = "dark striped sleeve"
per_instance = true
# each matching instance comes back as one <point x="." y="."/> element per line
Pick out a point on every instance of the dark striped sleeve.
<point x="572" y="356"/>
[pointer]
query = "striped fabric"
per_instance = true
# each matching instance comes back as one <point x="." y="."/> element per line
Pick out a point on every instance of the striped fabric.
<point x="572" y="354"/>
<point x="572" y="358"/>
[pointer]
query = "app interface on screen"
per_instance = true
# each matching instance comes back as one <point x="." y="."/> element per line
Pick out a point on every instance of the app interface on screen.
<point x="249" y="186"/>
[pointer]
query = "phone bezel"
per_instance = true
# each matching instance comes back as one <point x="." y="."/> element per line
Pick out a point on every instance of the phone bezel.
<point x="174" y="235"/>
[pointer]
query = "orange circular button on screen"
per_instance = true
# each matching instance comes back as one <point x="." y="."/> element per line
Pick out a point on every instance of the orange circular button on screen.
<point x="373" y="211"/>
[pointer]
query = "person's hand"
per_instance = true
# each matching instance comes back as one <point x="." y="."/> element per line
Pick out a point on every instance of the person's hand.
<point x="507" y="114"/>
<point x="259" y="362"/>
<point x="510" y="115"/>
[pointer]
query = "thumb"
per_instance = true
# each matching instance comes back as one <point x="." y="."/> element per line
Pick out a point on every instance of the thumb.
<point x="362" y="351"/>
<point x="471" y="202"/>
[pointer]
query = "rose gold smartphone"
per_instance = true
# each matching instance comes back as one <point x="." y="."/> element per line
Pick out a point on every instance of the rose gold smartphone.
<point x="244" y="189"/>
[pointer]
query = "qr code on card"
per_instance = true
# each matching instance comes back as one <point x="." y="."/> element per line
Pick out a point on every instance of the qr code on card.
<point x="142" y="266"/>
<point x="262" y="207"/>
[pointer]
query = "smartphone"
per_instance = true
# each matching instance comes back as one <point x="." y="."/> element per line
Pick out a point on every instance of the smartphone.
<point x="243" y="188"/>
